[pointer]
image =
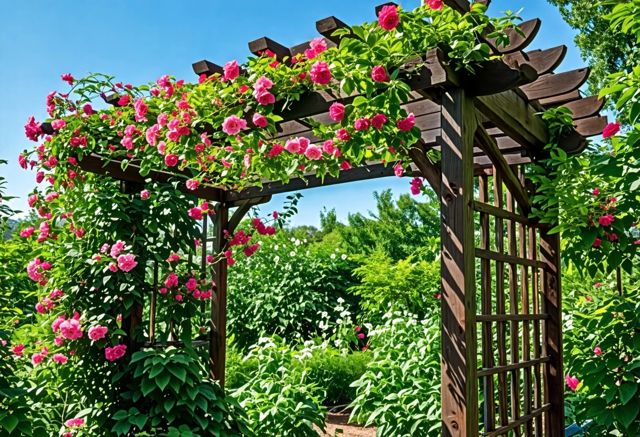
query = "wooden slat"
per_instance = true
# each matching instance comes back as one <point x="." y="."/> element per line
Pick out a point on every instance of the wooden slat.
<point x="521" y="38"/>
<point x="500" y="300"/>
<point x="521" y="420"/>
<point x="459" y="383"/>
<point x="524" y="310"/>
<point x="327" y="26"/>
<point x="550" y="85"/>
<point x="560" y="100"/>
<point x="207" y="68"/>
<point x="537" y="350"/>
<point x="543" y="61"/>
<point x="513" y="309"/>
<point x="496" y="76"/>
<point x="487" y="143"/>
<point x="259" y="46"/>
<point x="586" y="107"/>
<point x="502" y="213"/>
<point x="512" y="367"/>
<point x="218" y="329"/>
<point x="490" y="318"/>
<point x="552" y="295"/>
<point x="486" y="299"/>
<point x="592" y="126"/>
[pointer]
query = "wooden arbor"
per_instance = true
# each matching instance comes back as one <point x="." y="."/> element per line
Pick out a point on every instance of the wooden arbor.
<point x="501" y="306"/>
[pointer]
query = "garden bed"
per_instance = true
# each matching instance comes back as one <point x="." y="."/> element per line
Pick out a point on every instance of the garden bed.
<point x="337" y="425"/>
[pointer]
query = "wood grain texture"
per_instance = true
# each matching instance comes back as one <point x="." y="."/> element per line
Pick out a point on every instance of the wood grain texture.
<point x="218" y="328"/>
<point x="550" y="85"/>
<point x="543" y="61"/>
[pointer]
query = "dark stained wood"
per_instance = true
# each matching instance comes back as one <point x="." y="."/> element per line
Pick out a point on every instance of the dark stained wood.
<point x="511" y="317"/>
<point x="552" y="297"/>
<point x="524" y="310"/>
<point x="459" y="350"/>
<point x="537" y="350"/>
<point x="536" y="414"/>
<point x="513" y="367"/>
<point x="560" y="100"/>
<point x="498" y="212"/>
<point x="512" y="115"/>
<point x="550" y="85"/>
<point x="259" y="46"/>
<point x="513" y="309"/>
<point x="521" y="38"/>
<point x="586" y="107"/>
<point x="300" y="48"/>
<point x="486" y="298"/>
<point x="242" y="209"/>
<point x="218" y="329"/>
<point x="589" y="127"/>
<point x="496" y="76"/>
<point x="207" y="68"/>
<point x="543" y="61"/>
<point x="429" y="169"/>
<point x="515" y="260"/>
<point x="327" y="26"/>
<point x="489" y="146"/>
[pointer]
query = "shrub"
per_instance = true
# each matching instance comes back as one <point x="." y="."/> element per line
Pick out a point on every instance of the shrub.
<point x="279" y="398"/>
<point x="400" y="391"/>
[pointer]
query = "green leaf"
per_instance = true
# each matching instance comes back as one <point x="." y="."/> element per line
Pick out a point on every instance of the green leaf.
<point x="626" y="414"/>
<point x="162" y="380"/>
<point x="627" y="391"/>
<point x="10" y="422"/>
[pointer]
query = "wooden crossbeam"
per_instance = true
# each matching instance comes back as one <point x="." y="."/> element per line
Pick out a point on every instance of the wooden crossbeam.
<point x="496" y="76"/>
<point x="586" y="107"/>
<point x="551" y="85"/>
<point x="519" y="38"/>
<point x="327" y="26"/>
<point x="242" y="209"/>
<point x="259" y="46"/>
<point x="543" y="61"/>
<point x="561" y="99"/>
<point x="592" y="126"/>
<point x="207" y="68"/>
<point x="511" y="180"/>
<point x="429" y="169"/>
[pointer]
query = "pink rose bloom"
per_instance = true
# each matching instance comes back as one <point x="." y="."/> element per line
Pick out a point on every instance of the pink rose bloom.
<point x="32" y="129"/>
<point x="292" y="145"/>
<point x="379" y="74"/>
<point x="171" y="281"/>
<point x="436" y="5"/>
<point x="113" y="267"/>
<point x="345" y="165"/>
<point x="18" y="350"/>
<point x="152" y="134"/>
<point x="141" y="109"/>
<point x="32" y="200"/>
<point x="316" y="46"/>
<point x="171" y="160"/>
<point x="343" y="135"/>
<point x="70" y="329"/>
<point x="27" y="232"/>
<point x="124" y="100"/>
<point x="597" y="351"/>
<point x="87" y="109"/>
<point x="606" y="220"/>
<point x="233" y="124"/>
<point x="39" y="177"/>
<point x="637" y="242"/>
<point x="336" y="111"/>
<point x="321" y="73"/>
<point x="362" y="124"/>
<point x="611" y="130"/>
<point x="144" y="194"/>
<point x="263" y="84"/>
<point x="179" y="297"/>
<point x="416" y="186"/>
<point x="231" y="70"/>
<point x="597" y="243"/>
<point x="313" y="153"/>
<point x="191" y="284"/>
<point x="195" y="213"/>
<point x="192" y="184"/>
<point x="378" y="121"/>
<point x="596" y="191"/>
<point x="127" y="262"/>
<point x="329" y="148"/>
<point x="74" y="423"/>
<point x="58" y="124"/>
<point x="60" y="359"/>
<point x="260" y="120"/>
<point x="572" y="382"/>
<point x="265" y="98"/>
<point x="398" y="170"/>
<point x="98" y="332"/>
<point x="117" y="248"/>
<point x="37" y="358"/>
<point x="388" y="17"/>
<point x="116" y="352"/>
<point x="406" y="124"/>
<point x="67" y="77"/>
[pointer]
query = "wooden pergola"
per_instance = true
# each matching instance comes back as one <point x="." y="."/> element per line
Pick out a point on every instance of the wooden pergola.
<point x="501" y="298"/>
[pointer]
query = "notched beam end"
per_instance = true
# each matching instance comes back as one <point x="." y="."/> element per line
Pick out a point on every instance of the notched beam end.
<point x="327" y="26"/>
<point x="207" y="68"/>
<point x="266" y="45"/>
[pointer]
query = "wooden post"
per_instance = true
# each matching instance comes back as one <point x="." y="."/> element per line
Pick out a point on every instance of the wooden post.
<point x="459" y="349"/>
<point x="552" y="298"/>
<point x="218" y="335"/>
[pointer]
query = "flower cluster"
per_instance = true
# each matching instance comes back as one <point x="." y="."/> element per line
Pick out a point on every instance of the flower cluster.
<point x="114" y="257"/>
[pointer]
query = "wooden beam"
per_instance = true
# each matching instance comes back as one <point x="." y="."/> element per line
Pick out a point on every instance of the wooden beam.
<point x="586" y="107"/>
<point x="592" y="126"/>
<point x="259" y="46"/>
<point x="496" y="76"/>
<point x="520" y="38"/>
<point x="459" y="383"/>
<point x="511" y="113"/>
<point x="327" y="26"/>
<point x="484" y="162"/>
<point x="242" y="209"/>
<point x="429" y="169"/>
<point x="560" y="100"/>
<point x="551" y="85"/>
<point x="543" y="61"/>
<point x="218" y="328"/>
<point x="511" y="180"/>
<point x="207" y="68"/>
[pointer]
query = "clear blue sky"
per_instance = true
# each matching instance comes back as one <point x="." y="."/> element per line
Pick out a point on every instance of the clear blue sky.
<point x="140" y="40"/>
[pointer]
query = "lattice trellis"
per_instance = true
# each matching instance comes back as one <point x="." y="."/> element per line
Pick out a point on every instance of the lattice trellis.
<point x="501" y="306"/>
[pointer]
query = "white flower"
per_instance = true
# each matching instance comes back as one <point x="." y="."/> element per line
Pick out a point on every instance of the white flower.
<point x="333" y="256"/>
<point x="343" y="256"/>
<point x="298" y="242"/>
<point x="340" y="300"/>
<point x="276" y="247"/>
<point x="276" y="259"/>
<point x="292" y="253"/>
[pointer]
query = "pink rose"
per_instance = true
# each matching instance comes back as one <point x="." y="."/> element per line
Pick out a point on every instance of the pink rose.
<point x="67" y="77"/>
<point x="195" y="213"/>
<point x="179" y="297"/>
<point x="171" y="160"/>
<point x="293" y="145"/>
<point x="336" y="111"/>
<point x="406" y="124"/>
<point x="321" y="73"/>
<point x="597" y="243"/>
<point x="127" y="262"/>
<point x="436" y="5"/>
<point x="124" y="100"/>
<point x="343" y="135"/>
<point x="265" y="98"/>
<point x="345" y="165"/>
<point x="379" y="74"/>
<point x="117" y="248"/>
<point x="398" y="170"/>
<point x="58" y="124"/>
<point x="144" y="194"/>
<point x="116" y="352"/>
<point x="611" y="130"/>
<point x="572" y="382"/>
<point x="97" y="332"/>
<point x="597" y="351"/>
<point x="596" y="191"/>
<point x="313" y="153"/>
<point x="262" y="84"/>
<point x="192" y="184"/>
<point x="362" y="124"/>
<point x="171" y="280"/>
<point x="37" y="358"/>
<point x="416" y="186"/>
<point x="87" y="109"/>
<point x="70" y="329"/>
<point x="388" y="17"/>
<point x="231" y="70"/>
<point x="32" y="129"/>
<point x="378" y="121"/>
<point x="18" y="350"/>
<point x="260" y="120"/>
<point x="60" y="359"/>
<point x="606" y="220"/>
<point x="27" y="232"/>
<point x="233" y="124"/>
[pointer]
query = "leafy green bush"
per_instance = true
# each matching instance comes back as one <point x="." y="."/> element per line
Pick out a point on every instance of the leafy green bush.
<point x="405" y="285"/>
<point x="170" y="389"/>
<point x="279" y="399"/>
<point x="400" y="391"/>
<point x="283" y="288"/>
<point x="334" y="371"/>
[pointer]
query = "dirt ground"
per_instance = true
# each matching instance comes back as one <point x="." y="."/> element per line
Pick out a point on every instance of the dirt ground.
<point x="337" y="427"/>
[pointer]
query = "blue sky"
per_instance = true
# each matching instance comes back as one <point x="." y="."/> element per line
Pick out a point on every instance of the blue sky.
<point x="140" y="40"/>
